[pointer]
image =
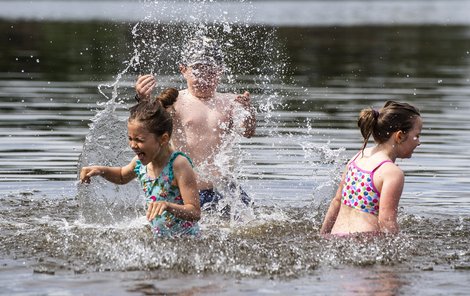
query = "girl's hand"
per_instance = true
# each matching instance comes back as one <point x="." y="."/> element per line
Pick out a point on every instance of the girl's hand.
<point x="145" y="85"/>
<point x="156" y="208"/>
<point x="87" y="172"/>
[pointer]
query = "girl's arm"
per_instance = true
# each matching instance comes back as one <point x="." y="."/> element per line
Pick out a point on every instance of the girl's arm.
<point x="186" y="181"/>
<point x="392" y="187"/>
<point x="116" y="175"/>
<point x="333" y="210"/>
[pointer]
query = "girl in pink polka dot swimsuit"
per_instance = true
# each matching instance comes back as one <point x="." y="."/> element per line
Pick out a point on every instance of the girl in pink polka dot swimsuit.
<point x="371" y="186"/>
<point x="359" y="191"/>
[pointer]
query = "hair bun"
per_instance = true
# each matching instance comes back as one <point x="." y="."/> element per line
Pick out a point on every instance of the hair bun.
<point x="168" y="97"/>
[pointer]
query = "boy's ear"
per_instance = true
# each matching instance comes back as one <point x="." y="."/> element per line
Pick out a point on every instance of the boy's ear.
<point x="182" y="68"/>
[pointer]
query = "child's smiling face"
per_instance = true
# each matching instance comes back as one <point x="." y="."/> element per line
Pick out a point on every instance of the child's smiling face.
<point x="146" y="145"/>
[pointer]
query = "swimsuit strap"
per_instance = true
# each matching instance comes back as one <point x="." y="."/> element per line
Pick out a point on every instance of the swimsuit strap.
<point x="380" y="164"/>
<point x="377" y="167"/>
<point x="172" y="159"/>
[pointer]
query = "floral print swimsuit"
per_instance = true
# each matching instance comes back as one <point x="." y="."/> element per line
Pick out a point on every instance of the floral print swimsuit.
<point x="161" y="189"/>
<point x="359" y="191"/>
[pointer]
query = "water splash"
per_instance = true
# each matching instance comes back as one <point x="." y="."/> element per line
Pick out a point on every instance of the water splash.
<point x="253" y="241"/>
<point x="282" y="245"/>
<point x="249" y="52"/>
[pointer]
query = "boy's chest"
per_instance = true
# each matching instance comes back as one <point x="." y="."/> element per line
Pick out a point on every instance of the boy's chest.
<point x="203" y="115"/>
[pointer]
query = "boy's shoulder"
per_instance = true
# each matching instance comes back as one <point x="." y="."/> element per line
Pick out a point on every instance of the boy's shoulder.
<point x="225" y="96"/>
<point x="219" y="97"/>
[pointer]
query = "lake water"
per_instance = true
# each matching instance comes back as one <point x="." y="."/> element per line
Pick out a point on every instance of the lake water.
<point x="311" y="67"/>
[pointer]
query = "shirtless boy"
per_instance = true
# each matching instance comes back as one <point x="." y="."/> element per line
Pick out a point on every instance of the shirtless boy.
<point x="203" y="117"/>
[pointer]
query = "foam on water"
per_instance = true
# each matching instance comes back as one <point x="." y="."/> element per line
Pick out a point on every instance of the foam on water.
<point x="282" y="243"/>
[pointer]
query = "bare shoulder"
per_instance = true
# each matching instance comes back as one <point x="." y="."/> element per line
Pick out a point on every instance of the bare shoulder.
<point x="225" y="97"/>
<point x="391" y="171"/>
<point x="181" y="163"/>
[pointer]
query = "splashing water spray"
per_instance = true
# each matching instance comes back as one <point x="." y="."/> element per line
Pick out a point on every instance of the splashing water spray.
<point x="253" y="62"/>
<point x="282" y="242"/>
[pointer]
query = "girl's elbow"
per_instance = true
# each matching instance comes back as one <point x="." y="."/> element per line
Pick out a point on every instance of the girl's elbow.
<point x="124" y="182"/>
<point x="196" y="215"/>
<point x="336" y="201"/>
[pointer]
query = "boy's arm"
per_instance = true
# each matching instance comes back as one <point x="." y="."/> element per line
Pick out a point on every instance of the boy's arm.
<point x="249" y="123"/>
<point x="144" y="87"/>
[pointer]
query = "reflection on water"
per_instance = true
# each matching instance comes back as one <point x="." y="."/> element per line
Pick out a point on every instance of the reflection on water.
<point x="48" y="94"/>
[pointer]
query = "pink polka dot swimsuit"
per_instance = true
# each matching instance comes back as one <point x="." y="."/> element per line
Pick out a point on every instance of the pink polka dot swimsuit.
<point x="359" y="191"/>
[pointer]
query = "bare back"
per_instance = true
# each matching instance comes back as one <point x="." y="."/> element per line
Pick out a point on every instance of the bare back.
<point x="350" y="220"/>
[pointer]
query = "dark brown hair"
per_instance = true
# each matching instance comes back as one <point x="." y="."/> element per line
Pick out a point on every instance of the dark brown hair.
<point x="394" y="116"/>
<point x="153" y="114"/>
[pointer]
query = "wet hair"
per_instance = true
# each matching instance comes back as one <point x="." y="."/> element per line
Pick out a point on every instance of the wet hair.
<point x="153" y="114"/>
<point x="393" y="117"/>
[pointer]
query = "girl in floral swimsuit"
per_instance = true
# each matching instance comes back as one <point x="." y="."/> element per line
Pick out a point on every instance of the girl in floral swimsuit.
<point x="166" y="175"/>
<point x="370" y="190"/>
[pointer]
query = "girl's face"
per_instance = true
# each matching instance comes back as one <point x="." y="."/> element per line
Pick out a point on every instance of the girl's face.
<point x="146" y="145"/>
<point x="411" y="140"/>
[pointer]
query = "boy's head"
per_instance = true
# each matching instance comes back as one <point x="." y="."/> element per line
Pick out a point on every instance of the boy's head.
<point x="202" y="51"/>
<point x="202" y="63"/>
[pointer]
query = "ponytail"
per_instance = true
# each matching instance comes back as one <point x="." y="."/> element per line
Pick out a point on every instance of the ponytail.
<point x="152" y="113"/>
